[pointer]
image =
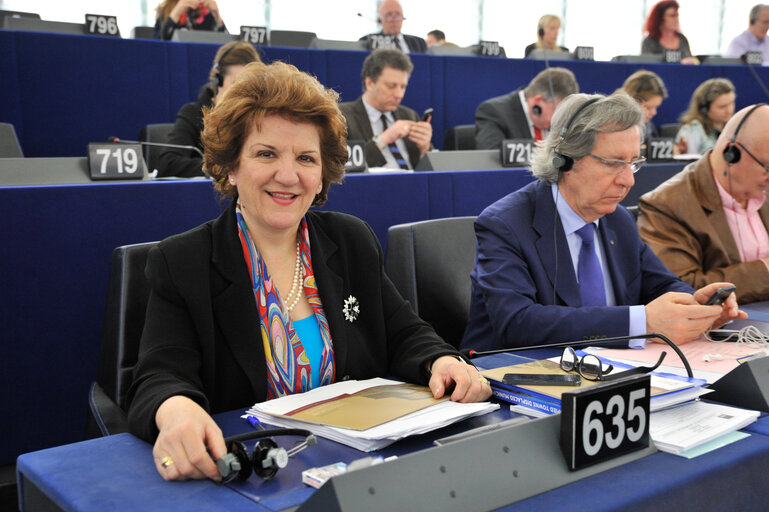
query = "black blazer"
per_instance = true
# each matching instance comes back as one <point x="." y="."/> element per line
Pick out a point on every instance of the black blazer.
<point x="415" y="43"/>
<point x="187" y="127"/>
<point x="500" y="118"/>
<point x="202" y="334"/>
<point x="359" y="128"/>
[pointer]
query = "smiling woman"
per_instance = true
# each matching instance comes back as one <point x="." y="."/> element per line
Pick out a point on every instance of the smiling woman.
<point x="271" y="299"/>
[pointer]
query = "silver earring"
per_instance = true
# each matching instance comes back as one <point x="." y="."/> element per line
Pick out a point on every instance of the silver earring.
<point x="232" y="180"/>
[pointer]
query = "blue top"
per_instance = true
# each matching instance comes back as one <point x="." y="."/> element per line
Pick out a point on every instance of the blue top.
<point x="308" y="331"/>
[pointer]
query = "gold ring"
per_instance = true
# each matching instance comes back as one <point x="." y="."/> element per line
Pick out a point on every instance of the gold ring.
<point x="166" y="461"/>
<point x="483" y="380"/>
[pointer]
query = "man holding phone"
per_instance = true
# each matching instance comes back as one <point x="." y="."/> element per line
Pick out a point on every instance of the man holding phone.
<point x="394" y="135"/>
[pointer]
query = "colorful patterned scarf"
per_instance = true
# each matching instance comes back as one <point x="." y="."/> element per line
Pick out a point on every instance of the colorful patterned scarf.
<point x="288" y="368"/>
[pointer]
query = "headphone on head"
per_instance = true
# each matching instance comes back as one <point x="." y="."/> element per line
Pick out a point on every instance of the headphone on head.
<point x="536" y="110"/>
<point x="217" y="80"/>
<point x="704" y="106"/>
<point x="642" y="82"/>
<point x="732" y="152"/>
<point x="265" y="458"/>
<point x="561" y="162"/>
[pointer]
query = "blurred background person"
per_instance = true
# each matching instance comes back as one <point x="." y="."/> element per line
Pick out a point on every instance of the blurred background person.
<point x="754" y="38"/>
<point x="711" y="106"/>
<point x="229" y="61"/>
<point x="437" y="38"/>
<point x="395" y="136"/>
<point x="271" y="299"/>
<point x="547" y="35"/>
<point x="390" y="18"/>
<point x="648" y="89"/>
<point x="172" y="15"/>
<point x="663" y="32"/>
<point x="709" y="222"/>
<point x="524" y="113"/>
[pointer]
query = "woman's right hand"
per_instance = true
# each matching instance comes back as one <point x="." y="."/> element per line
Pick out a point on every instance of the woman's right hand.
<point x="681" y="148"/>
<point x="181" y="7"/>
<point x="187" y="435"/>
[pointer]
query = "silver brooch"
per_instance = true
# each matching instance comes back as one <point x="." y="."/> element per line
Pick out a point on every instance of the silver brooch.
<point x="351" y="309"/>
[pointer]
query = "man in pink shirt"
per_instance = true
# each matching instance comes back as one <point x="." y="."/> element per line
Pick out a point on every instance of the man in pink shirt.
<point x="709" y="222"/>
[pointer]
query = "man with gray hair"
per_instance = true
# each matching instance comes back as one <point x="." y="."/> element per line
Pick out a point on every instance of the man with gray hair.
<point x="393" y="134"/>
<point x="754" y="38"/>
<point x="524" y="113"/>
<point x="559" y="260"/>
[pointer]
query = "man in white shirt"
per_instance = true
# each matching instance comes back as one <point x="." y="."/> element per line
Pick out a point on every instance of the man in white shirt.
<point x="391" y="20"/>
<point x="754" y="38"/>
<point x="394" y="135"/>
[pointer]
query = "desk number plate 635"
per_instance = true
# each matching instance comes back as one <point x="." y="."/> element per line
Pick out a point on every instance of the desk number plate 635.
<point x="605" y="421"/>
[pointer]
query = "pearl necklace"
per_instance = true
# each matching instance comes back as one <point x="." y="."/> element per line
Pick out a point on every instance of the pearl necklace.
<point x="295" y="287"/>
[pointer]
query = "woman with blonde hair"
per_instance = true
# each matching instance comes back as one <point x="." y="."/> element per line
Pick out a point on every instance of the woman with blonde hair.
<point x="547" y="35"/>
<point x="711" y="106"/>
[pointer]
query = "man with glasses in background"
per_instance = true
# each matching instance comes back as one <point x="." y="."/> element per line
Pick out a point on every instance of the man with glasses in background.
<point x="558" y="260"/>
<point x="391" y="18"/>
<point x="709" y="222"/>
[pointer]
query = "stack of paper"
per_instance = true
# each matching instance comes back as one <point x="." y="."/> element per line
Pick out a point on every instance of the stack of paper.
<point x="682" y="428"/>
<point x="366" y="415"/>
<point x="666" y="389"/>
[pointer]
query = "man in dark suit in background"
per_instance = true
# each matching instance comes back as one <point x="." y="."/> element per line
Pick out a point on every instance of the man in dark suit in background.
<point x="391" y="19"/>
<point x="394" y="135"/>
<point x="559" y="260"/>
<point x="524" y="113"/>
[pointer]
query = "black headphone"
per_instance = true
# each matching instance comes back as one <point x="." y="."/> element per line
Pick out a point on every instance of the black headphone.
<point x="561" y="162"/>
<point x="217" y="80"/>
<point x="536" y="110"/>
<point x="266" y="457"/>
<point x="732" y="153"/>
<point x="705" y="102"/>
<point x="642" y="82"/>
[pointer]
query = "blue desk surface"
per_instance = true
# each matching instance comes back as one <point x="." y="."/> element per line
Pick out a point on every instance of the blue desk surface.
<point x="757" y="311"/>
<point x="117" y="473"/>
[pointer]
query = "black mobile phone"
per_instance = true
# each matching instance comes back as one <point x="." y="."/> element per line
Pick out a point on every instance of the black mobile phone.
<point x="720" y="296"/>
<point x="427" y="114"/>
<point x="542" y="379"/>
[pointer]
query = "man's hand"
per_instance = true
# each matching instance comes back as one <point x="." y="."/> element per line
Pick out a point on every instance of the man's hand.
<point x="421" y="134"/>
<point x="729" y="309"/>
<point x="679" y="316"/>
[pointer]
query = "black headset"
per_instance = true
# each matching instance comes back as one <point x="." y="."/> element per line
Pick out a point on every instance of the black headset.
<point x="642" y="83"/>
<point x="732" y="153"/>
<point x="561" y="162"/>
<point x="705" y="102"/>
<point x="217" y="80"/>
<point x="266" y="457"/>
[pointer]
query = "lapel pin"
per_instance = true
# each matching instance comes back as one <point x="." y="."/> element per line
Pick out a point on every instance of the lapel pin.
<point x="351" y="309"/>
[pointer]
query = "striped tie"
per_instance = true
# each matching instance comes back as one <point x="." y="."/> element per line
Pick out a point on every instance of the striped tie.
<point x="394" y="149"/>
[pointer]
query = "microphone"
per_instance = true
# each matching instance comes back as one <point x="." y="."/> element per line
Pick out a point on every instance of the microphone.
<point x="159" y="144"/>
<point x="367" y="18"/>
<point x="541" y="34"/>
<point x="472" y="354"/>
<point x="744" y="58"/>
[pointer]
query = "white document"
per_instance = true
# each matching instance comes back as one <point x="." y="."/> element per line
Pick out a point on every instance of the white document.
<point x="439" y="415"/>
<point x="684" y="427"/>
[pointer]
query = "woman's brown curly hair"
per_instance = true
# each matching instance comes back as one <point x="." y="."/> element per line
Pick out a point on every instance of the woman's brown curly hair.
<point x="263" y="90"/>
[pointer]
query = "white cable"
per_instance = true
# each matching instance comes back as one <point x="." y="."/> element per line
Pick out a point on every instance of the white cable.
<point x="749" y="334"/>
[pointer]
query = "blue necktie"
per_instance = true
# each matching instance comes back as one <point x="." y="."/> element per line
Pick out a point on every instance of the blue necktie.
<point x="394" y="148"/>
<point x="589" y="269"/>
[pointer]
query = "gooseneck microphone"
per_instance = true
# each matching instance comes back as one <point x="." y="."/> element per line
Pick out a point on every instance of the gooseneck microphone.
<point x="472" y="354"/>
<point x="760" y="82"/>
<point x="541" y="34"/>
<point x="158" y="144"/>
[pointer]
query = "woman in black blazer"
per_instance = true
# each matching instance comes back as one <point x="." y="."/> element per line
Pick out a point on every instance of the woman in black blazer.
<point x="270" y="299"/>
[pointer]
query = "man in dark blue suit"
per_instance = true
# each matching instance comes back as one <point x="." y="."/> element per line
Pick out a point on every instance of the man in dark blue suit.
<point x="558" y="260"/>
